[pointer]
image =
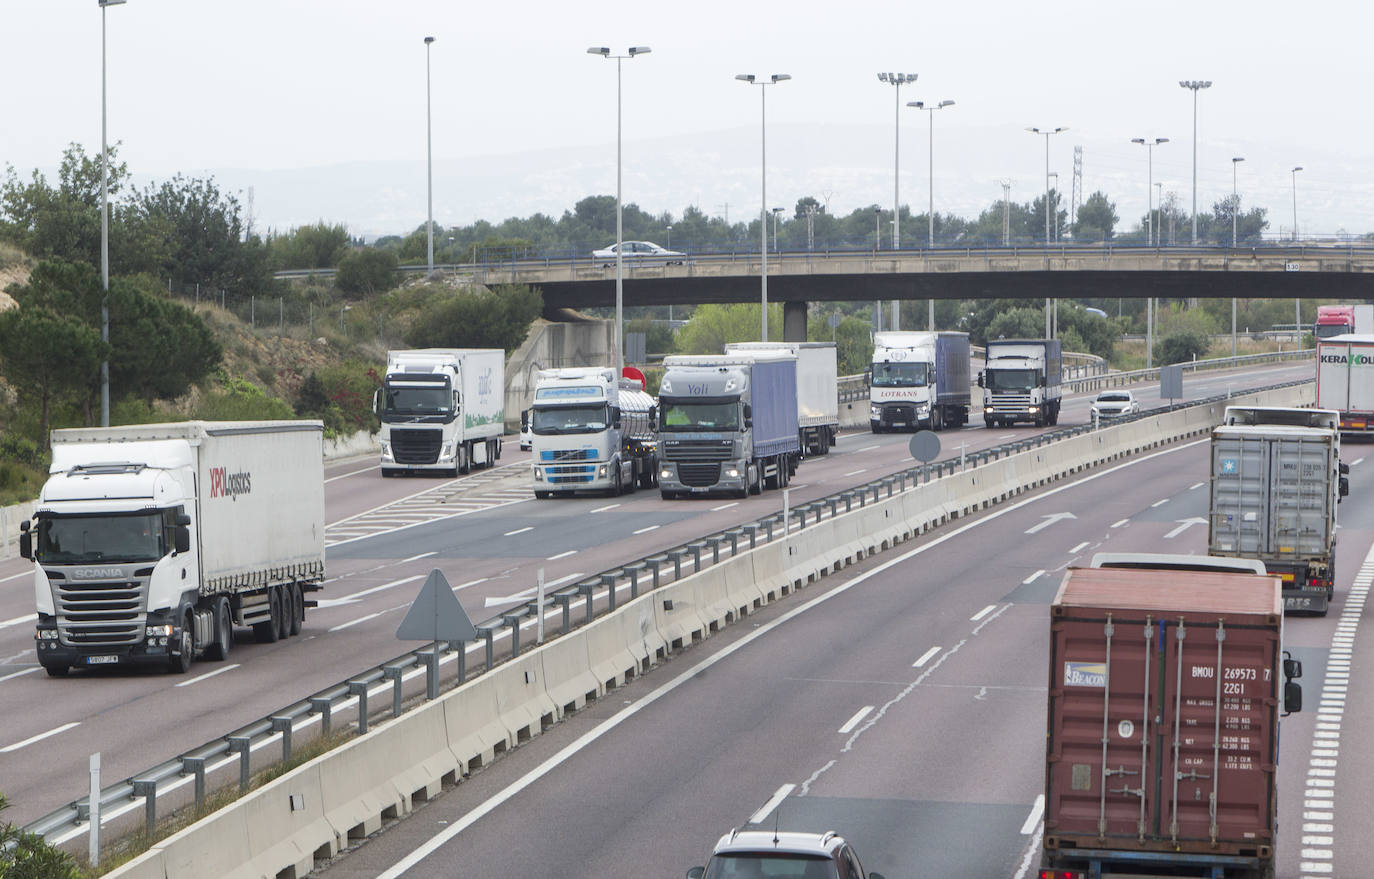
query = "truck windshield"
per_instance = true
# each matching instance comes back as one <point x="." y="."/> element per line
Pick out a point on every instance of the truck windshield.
<point x="436" y="400"/>
<point x="1012" y="379"/>
<point x="699" y="415"/>
<point x="133" y="537"/>
<point x="900" y="375"/>
<point x="1326" y="331"/>
<point x="556" y="420"/>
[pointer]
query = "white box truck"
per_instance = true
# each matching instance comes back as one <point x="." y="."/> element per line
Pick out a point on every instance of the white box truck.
<point x="589" y="432"/>
<point x="443" y="410"/>
<point x="151" y="542"/>
<point x="818" y="395"/>
<point x="1345" y="380"/>
<point x="1022" y="382"/>
<point x="919" y="380"/>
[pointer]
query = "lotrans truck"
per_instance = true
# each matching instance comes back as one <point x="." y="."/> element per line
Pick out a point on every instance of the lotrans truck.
<point x="919" y="380"/>
<point x="152" y="542"/>
<point x="818" y="395"/>
<point x="442" y="410"/>
<point x="1276" y="480"/>
<point x="590" y="432"/>
<point x="1162" y="741"/>
<point x="1021" y="381"/>
<point x="728" y="423"/>
<point x="1345" y="381"/>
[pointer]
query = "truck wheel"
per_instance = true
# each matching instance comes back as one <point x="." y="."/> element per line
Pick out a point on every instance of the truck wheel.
<point x="180" y="665"/>
<point x="464" y="459"/>
<point x="937" y="419"/>
<point x="297" y="608"/>
<point x="875" y="427"/>
<point x="57" y="671"/>
<point x="666" y="494"/>
<point x="288" y="609"/>
<point x="541" y="494"/>
<point x="224" y="632"/>
<point x="756" y="486"/>
<point x="268" y="631"/>
<point x="988" y="423"/>
<point x="616" y="489"/>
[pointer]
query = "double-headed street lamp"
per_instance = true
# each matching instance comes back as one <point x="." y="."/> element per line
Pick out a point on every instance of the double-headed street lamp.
<point x="898" y="80"/>
<point x="1195" y="85"/>
<point x="1235" y="198"/>
<point x="104" y="228"/>
<point x="1047" y="132"/>
<point x="429" y="164"/>
<point x="763" y="205"/>
<point x="1296" y="169"/>
<point x="604" y="52"/>
<point x="930" y="210"/>
<point x="1149" y="178"/>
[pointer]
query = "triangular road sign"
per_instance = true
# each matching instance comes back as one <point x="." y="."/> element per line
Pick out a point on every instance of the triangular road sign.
<point x="436" y="615"/>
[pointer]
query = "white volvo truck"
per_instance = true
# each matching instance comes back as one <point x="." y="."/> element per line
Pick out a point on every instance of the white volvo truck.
<point x="590" y="432"/>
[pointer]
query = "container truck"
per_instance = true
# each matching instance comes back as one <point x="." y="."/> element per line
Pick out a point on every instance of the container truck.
<point x="1021" y="381"/>
<point x="727" y="423"/>
<point x="1338" y="320"/>
<point x="1345" y="381"/>
<point x="818" y="391"/>
<point x="590" y="432"/>
<point x="919" y="380"/>
<point x="1162" y="741"/>
<point x="442" y="410"/>
<point x="1276" y="480"/>
<point x="152" y="542"/>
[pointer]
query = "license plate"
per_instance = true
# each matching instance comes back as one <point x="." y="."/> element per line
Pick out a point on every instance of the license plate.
<point x="699" y="490"/>
<point x="1298" y="602"/>
<point x="101" y="660"/>
<point x="899" y="424"/>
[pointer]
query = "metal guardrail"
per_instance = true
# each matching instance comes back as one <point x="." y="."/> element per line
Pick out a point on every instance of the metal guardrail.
<point x="649" y="572"/>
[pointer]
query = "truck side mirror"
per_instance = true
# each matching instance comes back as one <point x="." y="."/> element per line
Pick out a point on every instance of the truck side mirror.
<point x="696" y="873"/>
<point x="1292" y="668"/>
<point x="615" y="419"/>
<point x="457" y="400"/>
<point x="25" y="541"/>
<point x="1343" y="467"/>
<point x="1292" y="697"/>
<point x="868" y="377"/>
<point x="1344" y="488"/>
<point x="181" y="538"/>
<point x="377" y="402"/>
<point x="980" y="379"/>
<point x="748" y="415"/>
<point x="653" y="415"/>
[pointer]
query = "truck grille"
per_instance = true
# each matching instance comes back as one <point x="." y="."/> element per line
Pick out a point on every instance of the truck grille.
<point x="898" y="413"/>
<point x="568" y="455"/>
<point x="697" y="450"/>
<point x="570" y="473"/>
<point x="1010" y="402"/>
<point x="698" y="474"/>
<point x="100" y="613"/>
<point x="416" y="446"/>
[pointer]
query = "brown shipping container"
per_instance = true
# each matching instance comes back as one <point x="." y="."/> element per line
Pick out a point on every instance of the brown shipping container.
<point x="1163" y="712"/>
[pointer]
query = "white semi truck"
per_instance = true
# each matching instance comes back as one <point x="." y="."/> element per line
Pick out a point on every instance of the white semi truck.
<point x="1022" y="381"/>
<point x="152" y="542"/>
<point x="919" y="380"/>
<point x="818" y="397"/>
<point x="1345" y="380"/>
<point x="442" y="410"/>
<point x="590" y="432"/>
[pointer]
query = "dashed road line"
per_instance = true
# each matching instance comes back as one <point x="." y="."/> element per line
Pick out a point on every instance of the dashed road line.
<point x="1118" y="524"/>
<point x="1159" y="503"/>
<point x="1033" y="577"/>
<point x="855" y="720"/>
<point x="926" y="657"/>
<point x="982" y="613"/>
<point x="40" y="737"/>
<point x="1076" y="549"/>
<point x="773" y="802"/>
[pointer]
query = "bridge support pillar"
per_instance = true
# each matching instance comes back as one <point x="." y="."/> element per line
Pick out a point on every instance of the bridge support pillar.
<point x="794" y="321"/>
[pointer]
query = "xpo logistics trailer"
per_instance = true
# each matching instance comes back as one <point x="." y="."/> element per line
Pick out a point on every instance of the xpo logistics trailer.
<point x="1162" y="743"/>
<point x="151" y="542"/>
<point x="727" y="423"/>
<point x="442" y="410"/>
<point x="1276" y="480"/>
<point x="1345" y="380"/>
<point x="818" y="396"/>
<point x="590" y="432"/>
<point x="1022" y="381"/>
<point x="919" y="380"/>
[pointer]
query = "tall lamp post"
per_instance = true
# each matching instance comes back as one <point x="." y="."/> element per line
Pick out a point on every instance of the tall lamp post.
<point x="104" y="228"/>
<point x="763" y="205"/>
<point x="604" y="52"/>
<point x="775" y="212"/>
<point x="898" y="80"/>
<point x="429" y="163"/>
<point x="1235" y="210"/>
<point x="1296" y="169"/>
<point x="930" y="210"/>
<point x="1195" y="85"/>
<point x="1047" y="132"/>
<point x="1149" y="179"/>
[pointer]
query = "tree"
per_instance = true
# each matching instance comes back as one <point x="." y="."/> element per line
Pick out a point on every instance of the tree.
<point x="1059" y="217"/>
<point x="366" y="270"/>
<point x="497" y="318"/>
<point x="48" y="356"/>
<point x="713" y="326"/>
<point x="161" y="346"/>
<point x="1180" y="347"/>
<point x="1017" y="323"/>
<point x="313" y="246"/>
<point x="1096" y="220"/>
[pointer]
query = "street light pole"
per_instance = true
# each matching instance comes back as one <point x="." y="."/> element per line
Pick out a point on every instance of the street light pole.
<point x="1149" y="178"/>
<point x="898" y="80"/>
<point x="1235" y="198"/>
<point x="605" y="52"/>
<point x="763" y="206"/>
<point x="104" y="228"/>
<point x="930" y="210"/>
<point x="429" y="163"/>
<point x="1295" y="201"/>
<point x="775" y="212"/>
<point x="1047" y="132"/>
<point x="1196" y="85"/>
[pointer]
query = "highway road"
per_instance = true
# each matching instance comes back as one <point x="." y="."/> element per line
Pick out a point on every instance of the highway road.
<point x="484" y="531"/>
<point x="900" y="702"/>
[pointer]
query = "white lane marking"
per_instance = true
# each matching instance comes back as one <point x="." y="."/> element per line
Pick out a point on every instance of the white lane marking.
<point x="27" y="618"/>
<point x="353" y="473"/>
<point x="645" y="530"/>
<point x="27" y="671"/>
<point x="725" y="506"/>
<point x="854" y="721"/>
<point x="1118" y="524"/>
<point x="40" y="737"/>
<point x="1184" y="525"/>
<point x="982" y="613"/>
<point x="1049" y="520"/>
<point x="353" y="597"/>
<point x="1159" y="503"/>
<point x="604" y="509"/>
<point x="209" y="674"/>
<point x="341" y="626"/>
<point x="527" y="594"/>
<point x="773" y="802"/>
<point x="429" y="846"/>
<point x="866" y="449"/>
<point x="16" y="576"/>
<point x="856" y="472"/>
<point x="522" y="530"/>
<point x="1033" y="577"/>
<point x="1078" y="547"/>
<point x="1007" y="436"/>
<point x="1196" y="485"/>
<point x="562" y="555"/>
<point x="471" y="583"/>
<point x="926" y="657"/>
<point x="1356" y="462"/>
<point x="1037" y="809"/>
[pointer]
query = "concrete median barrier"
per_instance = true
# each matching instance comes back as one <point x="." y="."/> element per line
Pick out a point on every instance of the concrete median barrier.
<point x="624" y="643"/>
<point x="521" y="701"/>
<point x="567" y="668"/>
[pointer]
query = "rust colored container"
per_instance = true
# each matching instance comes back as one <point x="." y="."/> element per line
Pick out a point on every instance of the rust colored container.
<point x="1164" y="694"/>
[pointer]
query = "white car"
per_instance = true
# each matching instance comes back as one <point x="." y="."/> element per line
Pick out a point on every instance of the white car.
<point x="1113" y="404"/>
<point x="640" y="253"/>
<point x="526" y="434"/>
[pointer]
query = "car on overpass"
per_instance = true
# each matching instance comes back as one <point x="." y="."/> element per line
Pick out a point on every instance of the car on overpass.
<point x="640" y="253"/>
<point x="757" y="854"/>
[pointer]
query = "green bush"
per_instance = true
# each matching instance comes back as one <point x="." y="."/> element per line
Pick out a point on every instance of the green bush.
<point x="1180" y="348"/>
<point x="17" y="449"/>
<point x="29" y="856"/>
<point x="238" y="399"/>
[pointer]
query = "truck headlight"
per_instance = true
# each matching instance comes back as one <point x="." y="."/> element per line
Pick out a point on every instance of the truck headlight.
<point x="987" y="408"/>
<point x="386" y="449"/>
<point x="156" y="631"/>
<point x="538" y="474"/>
<point x="732" y="472"/>
<point x="924" y="407"/>
<point x="446" y="452"/>
<point x="603" y="471"/>
<point x="1033" y="409"/>
<point x="875" y="411"/>
<point x="47" y="635"/>
<point x="665" y="473"/>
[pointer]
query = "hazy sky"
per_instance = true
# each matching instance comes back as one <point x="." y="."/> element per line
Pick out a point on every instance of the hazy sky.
<point x="274" y="94"/>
